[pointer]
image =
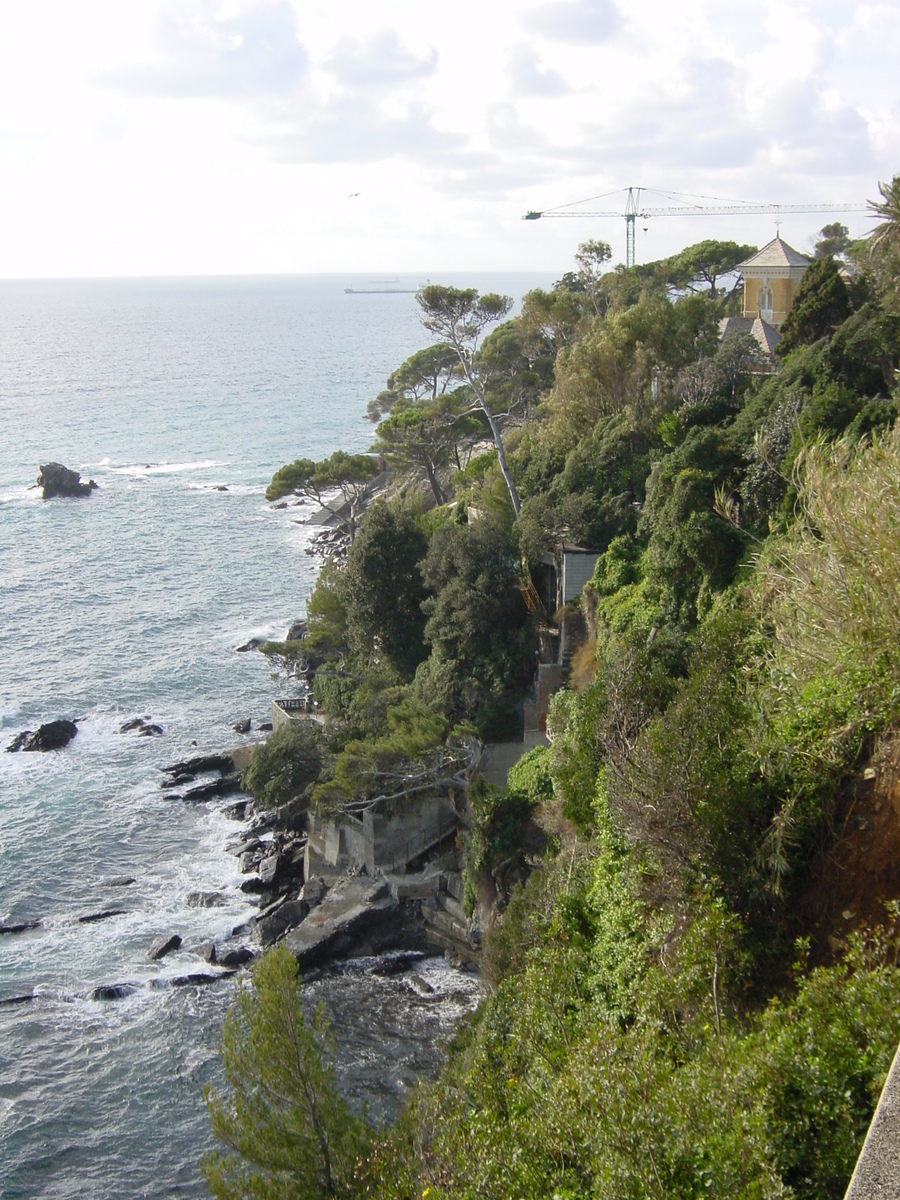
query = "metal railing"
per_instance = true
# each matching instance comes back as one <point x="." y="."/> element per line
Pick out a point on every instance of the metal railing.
<point x="304" y="704"/>
<point x="432" y="835"/>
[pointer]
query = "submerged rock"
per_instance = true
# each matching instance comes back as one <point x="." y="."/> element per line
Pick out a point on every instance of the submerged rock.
<point x="196" y="978"/>
<point x="103" y="915"/>
<point x="239" y="957"/>
<point x="57" y="480"/>
<point x="51" y="736"/>
<point x="188" y="768"/>
<point x="225" y="786"/>
<point x="162" y="946"/>
<point x="113" y="991"/>
<point x="18" y="926"/>
<point x="205" y="900"/>
<point x="9" y="1001"/>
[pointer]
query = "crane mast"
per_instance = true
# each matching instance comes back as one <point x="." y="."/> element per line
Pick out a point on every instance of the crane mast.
<point x="633" y="210"/>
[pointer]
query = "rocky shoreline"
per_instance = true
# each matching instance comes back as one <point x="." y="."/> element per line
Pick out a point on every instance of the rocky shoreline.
<point x="327" y="908"/>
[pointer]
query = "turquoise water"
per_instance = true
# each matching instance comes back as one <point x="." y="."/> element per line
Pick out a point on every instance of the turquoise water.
<point x="180" y="398"/>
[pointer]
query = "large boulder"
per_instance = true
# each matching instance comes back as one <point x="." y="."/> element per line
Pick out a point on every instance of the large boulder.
<point x="57" y="480"/>
<point x="51" y="736"/>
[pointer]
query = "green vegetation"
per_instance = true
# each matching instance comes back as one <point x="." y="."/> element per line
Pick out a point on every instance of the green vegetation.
<point x="287" y="1130"/>
<point x="669" y="1016"/>
<point x="285" y="766"/>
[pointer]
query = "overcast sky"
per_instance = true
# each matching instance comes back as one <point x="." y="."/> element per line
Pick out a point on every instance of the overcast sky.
<point x="198" y="137"/>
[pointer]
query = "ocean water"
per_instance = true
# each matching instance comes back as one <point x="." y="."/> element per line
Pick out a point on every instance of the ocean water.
<point x="180" y="398"/>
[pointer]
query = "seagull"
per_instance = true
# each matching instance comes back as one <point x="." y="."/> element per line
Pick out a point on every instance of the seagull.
<point x="352" y="194"/>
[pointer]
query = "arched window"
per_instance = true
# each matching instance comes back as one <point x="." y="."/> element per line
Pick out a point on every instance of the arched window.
<point x="765" y="302"/>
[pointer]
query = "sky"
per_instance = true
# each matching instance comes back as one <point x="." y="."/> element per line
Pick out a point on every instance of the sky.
<point x="185" y="137"/>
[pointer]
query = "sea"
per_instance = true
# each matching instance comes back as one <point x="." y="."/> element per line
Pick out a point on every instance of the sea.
<point x="180" y="398"/>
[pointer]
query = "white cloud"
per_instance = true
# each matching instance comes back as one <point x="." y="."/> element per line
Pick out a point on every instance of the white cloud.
<point x="201" y="52"/>
<point x="582" y="22"/>
<point x="227" y="134"/>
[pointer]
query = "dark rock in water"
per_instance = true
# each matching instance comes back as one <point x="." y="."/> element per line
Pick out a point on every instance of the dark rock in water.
<point x="18" y="926"/>
<point x="57" y="480"/>
<point x="206" y="951"/>
<point x="395" y="962"/>
<point x="220" y="487"/>
<point x="253" y="643"/>
<point x="100" y="916"/>
<point x="225" y="786"/>
<point x="244" y="927"/>
<point x="265" y="727"/>
<point x="253" y="886"/>
<point x="115" y="881"/>
<point x="235" y="958"/>
<point x="420" y="986"/>
<point x="142" y="726"/>
<point x="286" y="917"/>
<point x="297" y="631"/>
<point x="9" y="1001"/>
<point x="281" y="504"/>
<point x="205" y="900"/>
<point x="199" y="977"/>
<point x="162" y="946"/>
<point x="113" y="991"/>
<point x="236" y="812"/>
<point x="242" y="726"/>
<point x="190" y="767"/>
<point x="134" y="723"/>
<point x="51" y="736"/>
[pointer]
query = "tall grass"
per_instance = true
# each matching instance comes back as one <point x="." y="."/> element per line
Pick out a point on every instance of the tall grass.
<point x="830" y="592"/>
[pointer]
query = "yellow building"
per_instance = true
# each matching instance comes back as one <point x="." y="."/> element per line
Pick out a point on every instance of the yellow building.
<point x="771" y="277"/>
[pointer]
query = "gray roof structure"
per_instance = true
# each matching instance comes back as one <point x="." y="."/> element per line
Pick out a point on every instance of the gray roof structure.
<point x="766" y="335"/>
<point x="776" y="254"/>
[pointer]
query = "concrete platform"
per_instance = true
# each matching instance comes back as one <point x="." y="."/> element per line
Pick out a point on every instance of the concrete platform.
<point x="348" y="911"/>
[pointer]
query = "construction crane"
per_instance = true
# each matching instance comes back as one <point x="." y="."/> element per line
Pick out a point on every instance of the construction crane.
<point x="720" y="208"/>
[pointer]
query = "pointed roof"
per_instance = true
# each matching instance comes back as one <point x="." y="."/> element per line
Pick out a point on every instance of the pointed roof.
<point x="776" y="254"/>
<point x="766" y="335"/>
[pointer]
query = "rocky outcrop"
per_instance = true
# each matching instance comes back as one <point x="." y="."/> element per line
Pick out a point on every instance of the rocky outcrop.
<point x="51" y="736"/>
<point x="57" y="480"/>
<point x="351" y="910"/>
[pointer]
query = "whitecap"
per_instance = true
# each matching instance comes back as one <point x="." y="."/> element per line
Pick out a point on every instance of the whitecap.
<point x="167" y="468"/>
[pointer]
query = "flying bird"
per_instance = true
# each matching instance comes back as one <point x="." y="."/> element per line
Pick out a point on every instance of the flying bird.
<point x="352" y="194"/>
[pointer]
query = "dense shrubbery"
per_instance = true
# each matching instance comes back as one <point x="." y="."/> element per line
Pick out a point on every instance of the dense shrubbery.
<point x="648" y="1033"/>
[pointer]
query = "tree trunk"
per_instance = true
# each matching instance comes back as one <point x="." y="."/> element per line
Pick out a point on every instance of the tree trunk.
<point x="433" y="480"/>
<point x="495" y="429"/>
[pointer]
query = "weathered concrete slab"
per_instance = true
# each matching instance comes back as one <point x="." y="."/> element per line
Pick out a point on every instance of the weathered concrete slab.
<point x="877" y="1174"/>
<point x="418" y="886"/>
<point x="349" y="910"/>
